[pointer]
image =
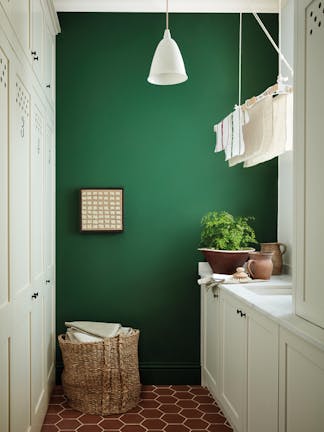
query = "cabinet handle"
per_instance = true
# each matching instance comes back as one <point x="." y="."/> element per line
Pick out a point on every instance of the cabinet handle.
<point x="36" y="58"/>
<point x="48" y="281"/>
<point x="35" y="295"/>
<point x="33" y="53"/>
<point x="238" y="311"/>
<point x="48" y="86"/>
<point x="243" y="314"/>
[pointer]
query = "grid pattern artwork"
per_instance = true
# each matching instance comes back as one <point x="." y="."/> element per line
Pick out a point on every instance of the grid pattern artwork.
<point x="102" y="210"/>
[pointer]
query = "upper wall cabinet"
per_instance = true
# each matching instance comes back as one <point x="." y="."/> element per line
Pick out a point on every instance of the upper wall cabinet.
<point x="309" y="156"/>
<point x="37" y="32"/>
<point x="49" y="55"/>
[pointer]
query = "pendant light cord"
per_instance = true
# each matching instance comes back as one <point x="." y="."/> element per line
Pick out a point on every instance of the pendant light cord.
<point x="167" y="15"/>
<point x="240" y="61"/>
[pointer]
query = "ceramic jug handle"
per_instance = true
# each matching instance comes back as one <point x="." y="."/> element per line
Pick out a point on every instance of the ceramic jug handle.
<point x="249" y="265"/>
<point x="284" y="248"/>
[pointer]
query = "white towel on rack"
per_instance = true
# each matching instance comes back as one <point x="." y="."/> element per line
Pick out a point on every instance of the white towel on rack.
<point x="257" y="132"/>
<point x="281" y="139"/>
<point x="229" y="134"/>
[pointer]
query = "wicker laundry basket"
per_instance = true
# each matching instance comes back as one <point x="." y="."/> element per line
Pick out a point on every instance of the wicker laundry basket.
<point x="101" y="377"/>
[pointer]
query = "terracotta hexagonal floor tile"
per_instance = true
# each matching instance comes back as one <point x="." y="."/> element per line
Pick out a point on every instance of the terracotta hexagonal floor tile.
<point x="49" y="428"/>
<point x="214" y="418"/>
<point x="68" y="424"/>
<point x="51" y="419"/>
<point x="163" y="391"/>
<point x="148" y="387"/>
<point x="170" y="408"/>
<point x="173" y="418"/>
<point x="111" y="424"/>
<point x="203" y="399"/>
<point x="133" y="428"/>
<point x="199" y="391"/>
<point x="166" y="399"/>
<point x="57" y="399"/>
<point x="131" y="418"/>
<point x="148" y="395"/>
<point x="137" y="408"/>
<point x="176" y="428"/>
<point x="90" y="419"/>
<point x="54" y="409"/>
<point x="148" y="403"/>
<point x="209" y="408"/>
<point x="180" y="387"/>
<point x="70" y="413"/>
<point x="187" y="404"/>
<point x="191" y="413"/>
<point x="153" y="424"/>
<point x="196" y="424"/>
<point x="151" y="413"/>
<point x="219" y="428"/>
<point x="184" y="395"/>
<point x="90" y="428"/>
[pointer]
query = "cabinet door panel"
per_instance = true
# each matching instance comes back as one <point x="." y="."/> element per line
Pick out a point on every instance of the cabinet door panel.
<point x="19" y="17"/>
<point x="262" y="373"/>
<point x="19" y="191"/>
<point x="5" y="304"/>
<point x="49" y="203"/>
<point x="210" y="337"/>
<point x="301" y="385"/>
<point x="233" y="362"/>
<point x="309" y="173"/>
<point x="20" y="373"/>
<point x="37" y="29"/>
<point x="5" y="383"/>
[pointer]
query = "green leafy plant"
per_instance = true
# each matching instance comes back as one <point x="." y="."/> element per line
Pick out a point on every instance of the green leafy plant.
<point x="221" y="230"/>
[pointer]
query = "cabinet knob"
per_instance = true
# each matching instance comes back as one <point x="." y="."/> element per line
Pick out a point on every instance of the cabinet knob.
<point x="36" y="58"/>
<point x="238" y="311"/>
<point x="33" y="53"/>
<point x="243" y="314"/>
<point x="48" y="281"/>
<point x="48" y="86"/>
<point x="35" y="295"/>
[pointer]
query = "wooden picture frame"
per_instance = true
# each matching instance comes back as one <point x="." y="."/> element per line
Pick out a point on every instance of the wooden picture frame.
<point x="102" y="210"/>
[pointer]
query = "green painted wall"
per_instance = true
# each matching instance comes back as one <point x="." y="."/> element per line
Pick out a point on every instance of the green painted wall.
<point x="115" y="129"/>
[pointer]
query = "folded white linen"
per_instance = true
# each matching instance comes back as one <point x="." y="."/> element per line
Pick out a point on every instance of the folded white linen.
<point x="76" y="336"/>
<point x="101" y="329"/>
<point x="257" y="132"/>
<point x="282" y="133"/>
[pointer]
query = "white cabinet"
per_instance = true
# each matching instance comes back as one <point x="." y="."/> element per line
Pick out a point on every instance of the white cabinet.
<point x="27" y="344"/>
<point x="240" y="361"/>
<point x="301" y="385"/>
<point x="309" y="154"/>
<point x="210" y="320"/>
<point x="49" y="55"/>
<point x="5" y="297"/>
<point x="37" y="35"/>
<point x="233" y="361"/>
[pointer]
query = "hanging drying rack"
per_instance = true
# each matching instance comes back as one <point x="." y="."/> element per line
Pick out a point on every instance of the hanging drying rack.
<point x="280" y="87"/>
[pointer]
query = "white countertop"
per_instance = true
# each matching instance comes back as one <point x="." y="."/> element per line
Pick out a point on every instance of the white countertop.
<point x="278" y="307"/>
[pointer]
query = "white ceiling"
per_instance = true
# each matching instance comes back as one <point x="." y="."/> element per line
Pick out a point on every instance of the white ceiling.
<point x="204" y="6"/>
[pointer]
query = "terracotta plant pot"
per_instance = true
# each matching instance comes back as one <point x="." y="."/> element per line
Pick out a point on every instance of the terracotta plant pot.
<point x="225" y="261"/>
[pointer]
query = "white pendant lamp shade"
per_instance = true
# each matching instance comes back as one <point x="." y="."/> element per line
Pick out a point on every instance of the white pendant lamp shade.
<point x="167" y="66"/>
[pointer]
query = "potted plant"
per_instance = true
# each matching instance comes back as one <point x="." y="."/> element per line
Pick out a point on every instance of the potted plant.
<point x="226" y="240"/>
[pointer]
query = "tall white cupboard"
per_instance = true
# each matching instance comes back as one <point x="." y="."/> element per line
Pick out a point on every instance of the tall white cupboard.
<point x="27" y="179"/>
<point x="309" y="156"/>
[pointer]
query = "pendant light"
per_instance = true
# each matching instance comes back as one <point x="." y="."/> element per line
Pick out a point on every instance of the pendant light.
<point x="167" y="66"/>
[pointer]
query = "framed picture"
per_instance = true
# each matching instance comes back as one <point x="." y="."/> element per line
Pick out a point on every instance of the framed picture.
<point x="102" y="210"/>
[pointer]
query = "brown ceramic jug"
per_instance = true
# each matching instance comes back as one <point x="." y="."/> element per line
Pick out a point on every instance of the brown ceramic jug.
<point x="260" y="265"/>
<point x="278" y="250"/>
